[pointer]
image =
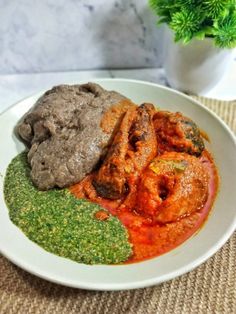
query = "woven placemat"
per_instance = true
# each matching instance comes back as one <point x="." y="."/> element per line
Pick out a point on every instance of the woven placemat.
<point x="211" y="288"/>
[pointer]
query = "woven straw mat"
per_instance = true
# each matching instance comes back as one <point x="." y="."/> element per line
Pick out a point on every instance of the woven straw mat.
<point x="211" y="288"/>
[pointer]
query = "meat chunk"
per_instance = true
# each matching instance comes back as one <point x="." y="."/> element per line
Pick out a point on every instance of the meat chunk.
<point x="172" y="186"/>
<point x="64" y="134"/>
<point x="110" y="180"/>
<point x="176" y="132"/>
<point x="132" y="149"/>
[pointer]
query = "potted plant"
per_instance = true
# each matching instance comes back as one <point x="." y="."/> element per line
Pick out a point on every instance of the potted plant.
<point x="199" y="42"/>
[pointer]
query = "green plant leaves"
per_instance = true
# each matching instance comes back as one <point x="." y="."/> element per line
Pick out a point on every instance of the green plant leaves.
<point x="225" y="31"/>
<point x="185" y="24"/>
<point x="199" y="19"/>
<point x="215" y="8"/>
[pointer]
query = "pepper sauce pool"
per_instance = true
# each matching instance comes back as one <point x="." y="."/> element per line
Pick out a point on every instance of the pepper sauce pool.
<point x="151" y="239"/>
<point x="155" y="134"/>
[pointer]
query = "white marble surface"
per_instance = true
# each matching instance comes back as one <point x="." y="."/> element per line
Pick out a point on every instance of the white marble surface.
<point x="63" y="35"/>
<point x="15" y="87"/>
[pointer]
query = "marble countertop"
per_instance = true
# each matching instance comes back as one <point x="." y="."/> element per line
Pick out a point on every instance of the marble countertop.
<point x="13" y="88"/>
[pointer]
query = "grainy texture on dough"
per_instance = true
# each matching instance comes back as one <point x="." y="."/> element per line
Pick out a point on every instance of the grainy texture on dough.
<point x="64" y="134"/>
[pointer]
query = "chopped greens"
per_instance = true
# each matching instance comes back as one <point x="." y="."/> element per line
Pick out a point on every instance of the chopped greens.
<point x="62" y="224"/>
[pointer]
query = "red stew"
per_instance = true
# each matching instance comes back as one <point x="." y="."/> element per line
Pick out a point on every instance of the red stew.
<point x="157" y="178"/>
<point x="151" y="239"/>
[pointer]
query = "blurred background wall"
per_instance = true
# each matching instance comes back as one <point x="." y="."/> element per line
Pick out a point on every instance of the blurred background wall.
<point x="63" y="35"/>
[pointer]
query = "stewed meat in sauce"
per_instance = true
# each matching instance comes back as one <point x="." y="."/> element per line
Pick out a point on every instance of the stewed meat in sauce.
<point x="134" y="146"/>
<point x="172" y="186"/>
<point x="175" y="132"/>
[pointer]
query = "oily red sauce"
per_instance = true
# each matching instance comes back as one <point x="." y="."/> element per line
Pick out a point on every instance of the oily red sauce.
<point x="114" y="114"/>
<point x="151" y="239"/>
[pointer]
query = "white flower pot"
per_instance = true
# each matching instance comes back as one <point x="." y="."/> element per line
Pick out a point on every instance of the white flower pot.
<point x="196" y="67"/>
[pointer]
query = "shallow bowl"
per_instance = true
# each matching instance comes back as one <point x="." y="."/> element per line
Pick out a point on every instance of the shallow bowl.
<point x="215" y="232"/>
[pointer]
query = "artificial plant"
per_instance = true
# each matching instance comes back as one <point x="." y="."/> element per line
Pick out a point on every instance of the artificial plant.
<point x="199" y="19"/>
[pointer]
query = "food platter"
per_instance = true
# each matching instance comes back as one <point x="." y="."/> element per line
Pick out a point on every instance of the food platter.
<point x="215" y="232"/>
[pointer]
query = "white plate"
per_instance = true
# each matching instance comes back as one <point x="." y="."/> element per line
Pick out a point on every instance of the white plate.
<point x="218" y="228"/>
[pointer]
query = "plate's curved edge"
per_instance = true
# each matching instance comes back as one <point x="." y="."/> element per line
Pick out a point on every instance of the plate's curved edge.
<point x="117" y="79"/>
<point x="42" y="91"/>
<point x="152" y="281"/>
<point x="136" y="285"/>
<point x="197" y="102"/>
